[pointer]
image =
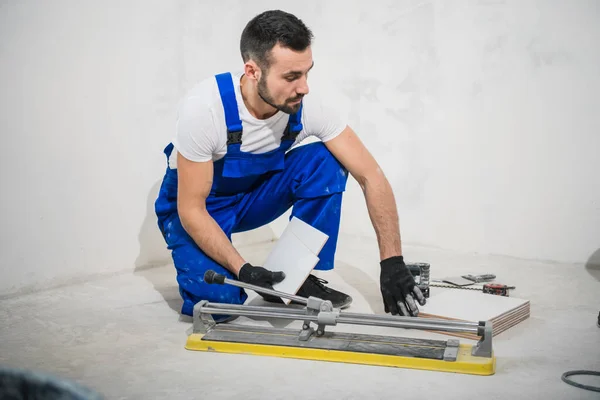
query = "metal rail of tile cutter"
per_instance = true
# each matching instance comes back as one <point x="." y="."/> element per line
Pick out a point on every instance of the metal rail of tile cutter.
<point x="317" y="344"/>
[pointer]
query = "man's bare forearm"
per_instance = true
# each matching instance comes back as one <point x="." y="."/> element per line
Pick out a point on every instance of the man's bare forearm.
<point x="209" y="236"/>
<point x="381" y="205"/>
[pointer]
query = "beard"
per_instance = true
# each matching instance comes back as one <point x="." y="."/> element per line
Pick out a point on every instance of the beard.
<point x="264" y="94"/>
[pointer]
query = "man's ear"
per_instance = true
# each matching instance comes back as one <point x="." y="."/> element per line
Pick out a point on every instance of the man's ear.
<point x="251" y="70"/>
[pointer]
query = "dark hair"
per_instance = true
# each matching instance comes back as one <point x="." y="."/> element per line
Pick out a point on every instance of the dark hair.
<point x="267" y="29"/>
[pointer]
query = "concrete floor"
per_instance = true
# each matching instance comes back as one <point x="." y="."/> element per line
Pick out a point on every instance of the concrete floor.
<point x="123" y="337"/>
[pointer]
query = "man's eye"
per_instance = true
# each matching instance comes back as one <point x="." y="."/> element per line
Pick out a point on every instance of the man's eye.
<point x="290" y="78"/>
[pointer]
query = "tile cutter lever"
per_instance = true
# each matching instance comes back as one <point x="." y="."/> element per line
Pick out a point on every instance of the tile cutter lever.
<point x="317" y="344"/>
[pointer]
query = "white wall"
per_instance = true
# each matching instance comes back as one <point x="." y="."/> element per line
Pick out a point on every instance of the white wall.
<point x="482" y="114"/>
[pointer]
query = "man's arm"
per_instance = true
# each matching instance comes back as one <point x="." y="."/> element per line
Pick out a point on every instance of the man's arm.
<point x="398" y="287"/>
<point x="381" y="204"/>
<point x="194" y="184"/>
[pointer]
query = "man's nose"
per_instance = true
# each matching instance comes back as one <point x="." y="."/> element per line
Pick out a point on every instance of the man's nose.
<point x="302" y="88"/>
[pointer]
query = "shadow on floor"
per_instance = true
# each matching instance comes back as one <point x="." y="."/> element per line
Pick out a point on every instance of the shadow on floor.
<point x="154" y="259"/>
<point x="593" y="268"/>
<point x="153" y="249"/>
<point x="276" y="323"/>
<point x="164" y="281"/>
<point x="593" y="265"/>
<point x="363" y="283"/>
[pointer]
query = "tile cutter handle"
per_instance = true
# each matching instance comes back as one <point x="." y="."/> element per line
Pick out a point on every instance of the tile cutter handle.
<point x="211" y="277"/>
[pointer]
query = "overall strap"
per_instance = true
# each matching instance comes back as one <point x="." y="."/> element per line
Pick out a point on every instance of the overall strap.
<point x="232" y="116"/>
<point x="294" y="125"/>
<point x="168" y="150"/>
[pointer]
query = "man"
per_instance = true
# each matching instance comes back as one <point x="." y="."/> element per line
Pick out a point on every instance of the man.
<point x="230" y="169"/>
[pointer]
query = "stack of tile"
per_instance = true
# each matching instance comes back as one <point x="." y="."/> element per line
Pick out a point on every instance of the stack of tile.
<point x="474" y="306"/>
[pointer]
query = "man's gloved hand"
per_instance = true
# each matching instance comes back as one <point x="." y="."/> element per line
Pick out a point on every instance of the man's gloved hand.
<point x="398" y="288"/>
<point x="262" y="277"/>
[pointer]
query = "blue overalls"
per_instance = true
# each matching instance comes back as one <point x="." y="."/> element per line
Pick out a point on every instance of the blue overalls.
<point x="249" y="191"/>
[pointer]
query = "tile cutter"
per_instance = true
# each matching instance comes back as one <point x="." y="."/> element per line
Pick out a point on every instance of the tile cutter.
<point x="318" y="344"/>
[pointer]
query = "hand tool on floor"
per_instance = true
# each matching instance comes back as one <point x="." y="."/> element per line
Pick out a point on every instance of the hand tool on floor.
<point x="318" y="344"/>
<point x="480" y="278"/>
<point x="489" y="288"/>
<point x="497" y="289"/>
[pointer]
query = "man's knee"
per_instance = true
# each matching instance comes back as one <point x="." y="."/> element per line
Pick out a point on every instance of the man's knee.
<point x="192" y="287"/>
<point x="212" y="293"/>
<point x="314" y="151"/>
<point x="191" y="264"/>
<point x="323" y="173"/>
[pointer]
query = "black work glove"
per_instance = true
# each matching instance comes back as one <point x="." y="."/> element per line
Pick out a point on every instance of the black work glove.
<point x="398" y="288"/>
<point x="262" y="277"/>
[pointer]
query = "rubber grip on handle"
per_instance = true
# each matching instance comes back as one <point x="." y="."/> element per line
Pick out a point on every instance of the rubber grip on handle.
<point x="211" y="277"/>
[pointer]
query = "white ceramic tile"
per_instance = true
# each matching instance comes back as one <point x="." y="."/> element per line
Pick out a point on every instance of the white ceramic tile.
<point x="294" y="254"/>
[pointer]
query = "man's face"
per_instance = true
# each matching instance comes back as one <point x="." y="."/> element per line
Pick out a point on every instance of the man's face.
<point x="285" y="83"/>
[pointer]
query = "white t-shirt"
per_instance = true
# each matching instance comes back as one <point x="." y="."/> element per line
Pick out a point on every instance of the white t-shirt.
<point x="201" y="131"/>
